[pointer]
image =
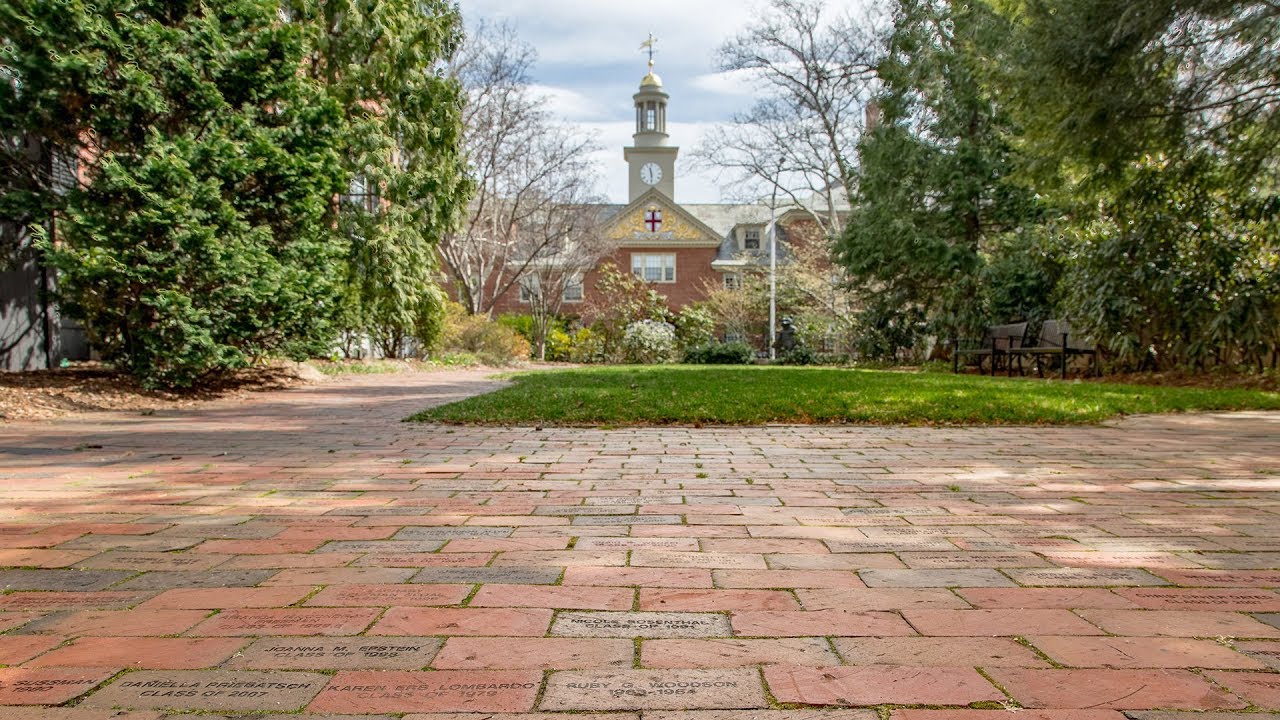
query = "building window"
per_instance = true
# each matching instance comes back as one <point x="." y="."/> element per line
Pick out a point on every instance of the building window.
<point x="732" y="281"/>
<point x="65" y="168"/>
<point x="529" y="289"/>
<point x="573" y="290"/>
<point x="751" y="239"/>
<point x="733" y="336"/>
<point x="651" y="118"/>
<point x="654" y="268"/>
<point x="361" y="194"/>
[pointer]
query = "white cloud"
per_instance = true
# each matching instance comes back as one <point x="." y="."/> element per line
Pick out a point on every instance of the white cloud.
<point x="739" y="83"/>
<point x="570" y="104"/>
<point x="590" y="64"/>
<point x="596" y="32"/>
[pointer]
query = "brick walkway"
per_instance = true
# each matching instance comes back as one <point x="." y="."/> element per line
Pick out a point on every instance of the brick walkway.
<point x="306" y="551"/>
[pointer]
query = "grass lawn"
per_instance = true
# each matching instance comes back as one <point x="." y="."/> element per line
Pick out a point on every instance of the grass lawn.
<point x="702" y="395"/>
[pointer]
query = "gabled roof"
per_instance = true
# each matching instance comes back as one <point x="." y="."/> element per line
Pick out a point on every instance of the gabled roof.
<point x="681" y="227"/>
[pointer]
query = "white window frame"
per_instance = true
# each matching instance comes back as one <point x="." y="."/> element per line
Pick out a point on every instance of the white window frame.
<point x="732" y="281"/>
<point x="747" y="238"/>
<point x="665" y="266"/>
<point x="571" y="284"/>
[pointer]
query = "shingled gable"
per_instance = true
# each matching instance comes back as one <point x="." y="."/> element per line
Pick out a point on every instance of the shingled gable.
<point x="679" y="228"/>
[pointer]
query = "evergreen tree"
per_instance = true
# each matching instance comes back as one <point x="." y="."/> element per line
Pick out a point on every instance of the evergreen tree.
<point x="1156" y="123"/>
<point x="383" y="62"/>
<point x="937" y="197"/>
<point x="199" y="238"/>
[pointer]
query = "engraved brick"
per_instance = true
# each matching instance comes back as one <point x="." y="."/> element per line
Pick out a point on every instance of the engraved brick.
<point x="327" y="653"/>
<point x="641" y="624"/>
<point x="242" y="691"/>
<point x="653" y="690"/>
<point x="440" y="691"/>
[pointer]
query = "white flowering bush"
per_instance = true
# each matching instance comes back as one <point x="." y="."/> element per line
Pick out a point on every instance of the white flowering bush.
<point x="649" y="342"/>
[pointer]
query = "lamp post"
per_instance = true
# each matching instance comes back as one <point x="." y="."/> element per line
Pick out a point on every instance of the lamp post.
<point x="773" y="266"/>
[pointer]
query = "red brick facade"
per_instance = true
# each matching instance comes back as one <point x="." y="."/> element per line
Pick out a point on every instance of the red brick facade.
<point x="693" y="275"/>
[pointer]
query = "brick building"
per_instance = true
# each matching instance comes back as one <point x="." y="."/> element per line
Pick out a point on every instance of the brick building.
<point x="683" y="249"/>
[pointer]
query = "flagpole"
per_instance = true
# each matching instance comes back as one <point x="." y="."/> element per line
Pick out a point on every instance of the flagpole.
<point x="773" y="268"/>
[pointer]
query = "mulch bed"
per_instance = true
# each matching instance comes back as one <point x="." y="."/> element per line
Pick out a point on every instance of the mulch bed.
<point x="92" y="387"/>
<point x="1212" y="380"/>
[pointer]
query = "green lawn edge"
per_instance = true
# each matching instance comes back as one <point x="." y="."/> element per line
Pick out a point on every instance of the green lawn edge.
<point x="680" y="395"/>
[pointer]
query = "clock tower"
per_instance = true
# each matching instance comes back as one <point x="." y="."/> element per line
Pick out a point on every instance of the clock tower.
<point x="652" y="161"/>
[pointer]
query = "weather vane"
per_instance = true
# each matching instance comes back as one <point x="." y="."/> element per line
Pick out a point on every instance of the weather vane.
<point x="650" y="46"/>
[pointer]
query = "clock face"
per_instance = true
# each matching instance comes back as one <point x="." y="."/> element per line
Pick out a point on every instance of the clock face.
<point x="650" y="174"/>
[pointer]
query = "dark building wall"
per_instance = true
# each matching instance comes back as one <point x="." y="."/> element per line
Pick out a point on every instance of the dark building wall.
<point x="33" y="334"/>
<point x="30" y="329"/>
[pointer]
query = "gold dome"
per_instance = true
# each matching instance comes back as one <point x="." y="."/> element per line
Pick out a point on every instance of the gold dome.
<point x="651" y="80"/>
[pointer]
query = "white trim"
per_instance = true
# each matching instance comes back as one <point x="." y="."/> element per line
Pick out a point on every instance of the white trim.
<point x="663" y="267"/>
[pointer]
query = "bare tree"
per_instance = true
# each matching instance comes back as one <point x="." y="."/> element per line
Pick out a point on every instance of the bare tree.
<point x="558" y="274"/>
<point x="524" y="164"/>
<point x="800" y="139"/>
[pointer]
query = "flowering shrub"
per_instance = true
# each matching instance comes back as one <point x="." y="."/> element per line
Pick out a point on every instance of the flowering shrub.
<point x="587" y="346"/>
<point x="695" y="326"/>
<point x="649" y="341"/>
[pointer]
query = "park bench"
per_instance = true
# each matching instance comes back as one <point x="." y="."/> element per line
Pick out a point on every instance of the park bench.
<point x="1056" y="340"/>
<point x="997" y="342"/>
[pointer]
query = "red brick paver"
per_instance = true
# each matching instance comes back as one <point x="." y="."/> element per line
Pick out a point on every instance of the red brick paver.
<point x="142" y="653"/>
<point x="1129" y="652"/>
<point x="464" y="621"/>
<point x="1117" y="689"/>
<point x="293" y="541"/>
<point x="1261" y="689"/>
<point x="878" y="685"/>
<point x="514" y="653"/>
<point x="736" y="653"/>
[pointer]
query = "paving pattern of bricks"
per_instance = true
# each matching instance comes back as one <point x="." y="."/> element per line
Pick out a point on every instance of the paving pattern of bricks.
<point x="308" y="552"/>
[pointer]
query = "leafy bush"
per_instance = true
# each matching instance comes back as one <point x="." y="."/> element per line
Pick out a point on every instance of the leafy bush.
<point x="492" y="343"/>
<point x="886" y="333"/>
<point x="799" y="355"/>
<point x="559" y="345"/>
<point x="620" y="300"/>
<point x="334" y="369"/>
<point x="695" y="326"/>
<point x="522" y="324"/>
<point x="457" y="359"/>
<point x="587" y="346"/>
<point x="648" y="342"/>
<point x="734" y="353"/>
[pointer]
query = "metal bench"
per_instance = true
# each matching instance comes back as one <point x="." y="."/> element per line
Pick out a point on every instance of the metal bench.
<point x="996" y="343"/>
<point x="1056" y="340"/>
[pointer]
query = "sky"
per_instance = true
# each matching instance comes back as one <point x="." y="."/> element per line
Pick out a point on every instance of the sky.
<point x="590" y="64"/>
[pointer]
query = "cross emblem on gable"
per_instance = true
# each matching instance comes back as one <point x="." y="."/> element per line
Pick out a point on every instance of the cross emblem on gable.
<point x="653" y="220"/>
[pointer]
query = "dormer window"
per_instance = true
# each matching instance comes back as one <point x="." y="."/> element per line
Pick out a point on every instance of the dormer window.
<point x="751" y="239"/>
